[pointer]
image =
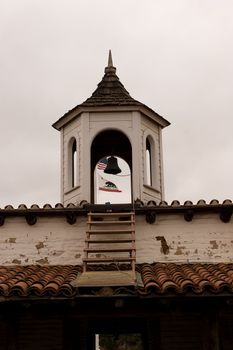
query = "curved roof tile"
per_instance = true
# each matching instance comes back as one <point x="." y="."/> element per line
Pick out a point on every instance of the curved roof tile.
<point x="158" y="278"/>
<point x="180" y="278"/>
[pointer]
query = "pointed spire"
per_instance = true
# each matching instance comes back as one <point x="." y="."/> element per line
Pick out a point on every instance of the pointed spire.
<point x="110" y="64"/>
<point x="110" y="69"/>
<point x="110" y="90"/>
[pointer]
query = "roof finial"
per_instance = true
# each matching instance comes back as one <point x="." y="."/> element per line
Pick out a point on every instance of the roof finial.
<point x="110" y="69"/>
<point x="110" y="64"/>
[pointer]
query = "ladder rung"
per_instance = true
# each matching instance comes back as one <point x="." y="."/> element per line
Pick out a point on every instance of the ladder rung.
<point x="96" y="260"/>
<point x="106" y="226"/>
<point x="121" y="240"/>
<point x="109" y="231"/>
<point x="106" y="250"/>
<point x="111" y="222"/>
<point x="110" y="214"/>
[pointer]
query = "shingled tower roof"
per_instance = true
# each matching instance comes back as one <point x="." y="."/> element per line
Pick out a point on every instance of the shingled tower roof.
<point x="110" y="90"/>
<point x="110" y="93"/>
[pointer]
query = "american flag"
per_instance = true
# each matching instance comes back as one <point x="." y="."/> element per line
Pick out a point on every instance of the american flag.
<point x="102" y="163"/>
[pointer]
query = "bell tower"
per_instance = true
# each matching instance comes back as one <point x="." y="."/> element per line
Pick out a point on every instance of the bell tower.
<point x="111" y="129"/>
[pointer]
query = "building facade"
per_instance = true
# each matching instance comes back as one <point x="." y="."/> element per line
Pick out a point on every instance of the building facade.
<point x="143" y="274"/>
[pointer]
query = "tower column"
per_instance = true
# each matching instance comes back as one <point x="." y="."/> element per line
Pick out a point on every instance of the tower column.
<point x="137" y="155"/>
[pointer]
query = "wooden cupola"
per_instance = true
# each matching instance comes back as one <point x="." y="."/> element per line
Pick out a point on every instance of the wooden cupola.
<point x="111" y="123"/>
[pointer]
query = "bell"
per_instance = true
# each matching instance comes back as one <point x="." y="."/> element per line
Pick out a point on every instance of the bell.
<point x="112" y="166"/>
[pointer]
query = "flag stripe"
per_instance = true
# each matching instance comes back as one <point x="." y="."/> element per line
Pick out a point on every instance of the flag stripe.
<point x="109" y="189"/>
<point x="101" y="165"/>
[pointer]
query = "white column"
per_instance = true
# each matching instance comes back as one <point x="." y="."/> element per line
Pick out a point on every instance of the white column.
<point x="85" y="158"/>
<point x="136" y="156"/>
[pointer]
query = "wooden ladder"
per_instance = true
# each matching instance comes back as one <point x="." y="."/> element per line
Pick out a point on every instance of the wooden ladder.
<point x="110" y="238"/>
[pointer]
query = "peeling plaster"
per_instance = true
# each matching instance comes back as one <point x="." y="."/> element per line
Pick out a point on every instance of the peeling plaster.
<point x="40" y="245"/>
<point x="43" y="261"/>
<point x="16" y="261"/>
<point x="210" y="253"/>
<point x="214" y="244"/>
<point x="179" y="250"/>
<point x="58" y="252"/>
<point x="164" y="246"/>
<point x="168" y="241"/>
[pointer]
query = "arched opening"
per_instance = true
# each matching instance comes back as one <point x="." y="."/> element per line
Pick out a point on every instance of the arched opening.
<point x="73" y="163"/>
<point x="111" y="143"/>
<point x="150" y="162"/>
<point x="110" y="188"/>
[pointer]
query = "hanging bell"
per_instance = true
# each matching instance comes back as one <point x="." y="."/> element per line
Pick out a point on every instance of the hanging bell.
<point x="112" y="166"/>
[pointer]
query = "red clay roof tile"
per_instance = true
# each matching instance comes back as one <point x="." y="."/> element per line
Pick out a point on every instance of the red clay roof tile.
<point x="158" y="278"/>
<point x="182" y="278"/>
<point x="37" y="280"/>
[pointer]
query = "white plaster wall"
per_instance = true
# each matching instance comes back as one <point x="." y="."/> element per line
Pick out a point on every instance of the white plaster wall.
<point x="80" y="129"/>
<point x="101" y="121"/>
<point x="171" y="239"/>
<point x="205" y="239"/>
<point x="74" y="196"/>
<point x="72" y="130"/>
<point x="86" y="127"/>
<point x="148" y="128"/>
<point x="50" y="241"/>
<point x="122" y="120"/>
<point x="149" y="193"/>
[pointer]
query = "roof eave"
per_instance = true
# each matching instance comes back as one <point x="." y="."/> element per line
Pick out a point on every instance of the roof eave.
<point x="83" y="209"/>
<point x="67" y="117"/>
<point x="76" y="111"/>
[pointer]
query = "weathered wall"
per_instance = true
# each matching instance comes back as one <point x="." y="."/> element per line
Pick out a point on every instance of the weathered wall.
<point x="170" y="239"/>
<point x="49" y="241"/>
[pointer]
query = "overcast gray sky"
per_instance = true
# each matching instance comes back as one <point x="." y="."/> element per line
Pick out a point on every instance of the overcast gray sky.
<point x="176" y="56"/>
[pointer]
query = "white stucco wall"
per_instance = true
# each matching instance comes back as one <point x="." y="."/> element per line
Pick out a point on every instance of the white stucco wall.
<point x="72" y="131"/>
<point x="170" y="239"/>
<point x="205" y="239"/>
<point x="153" y="131"/>
<point x="85" y="127"/>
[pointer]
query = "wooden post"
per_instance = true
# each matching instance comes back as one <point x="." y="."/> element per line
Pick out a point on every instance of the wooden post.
<point x="153" y="331"/>
<point x="211" y="332"/>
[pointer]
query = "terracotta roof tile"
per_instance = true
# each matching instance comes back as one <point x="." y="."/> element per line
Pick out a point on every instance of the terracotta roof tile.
<point x="150" y="203"/>
<point x="158" y="278"/>
<point x="182" y="278"/>
<point x="37" y="280"/>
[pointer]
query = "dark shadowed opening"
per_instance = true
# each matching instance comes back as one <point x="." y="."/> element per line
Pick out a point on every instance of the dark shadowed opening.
<point x="109" y="142"/>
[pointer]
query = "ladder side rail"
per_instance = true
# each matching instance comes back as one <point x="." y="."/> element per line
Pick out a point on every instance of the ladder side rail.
<point x="133" y="263"/>
<point x="87" y="243"/>
<point x="96" y="227"/>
